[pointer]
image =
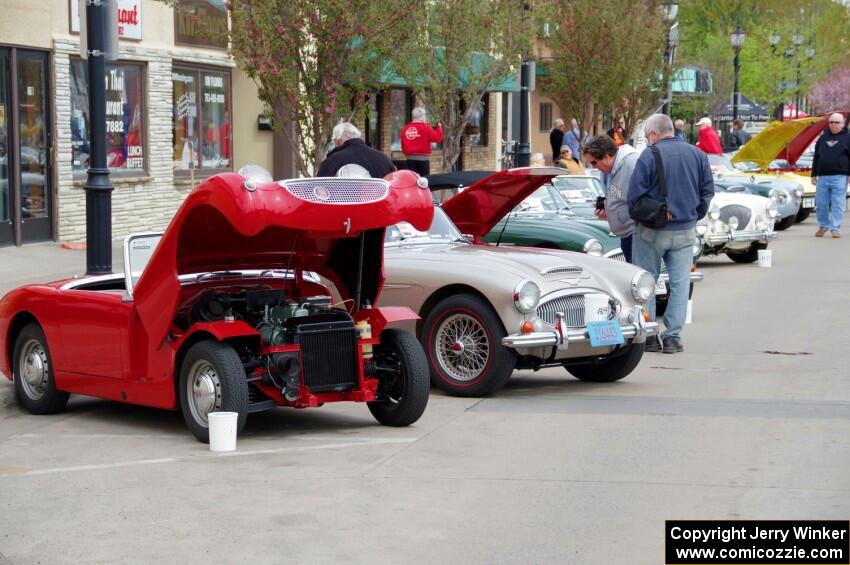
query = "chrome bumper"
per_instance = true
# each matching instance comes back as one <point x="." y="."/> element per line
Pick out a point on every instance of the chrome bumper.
<point x="739" y="237"/>
<point x="695" y="276"/>
<point x="563" y="336"/>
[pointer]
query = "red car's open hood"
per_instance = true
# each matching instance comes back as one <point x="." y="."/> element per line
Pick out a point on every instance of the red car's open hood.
<point x="311" y="224"/>
<point x="480" y="206"/>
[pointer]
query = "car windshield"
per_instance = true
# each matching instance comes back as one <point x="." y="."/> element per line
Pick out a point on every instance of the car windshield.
<point x="747" y="166"/>
<point x="720" y="163"/>
<point x="544" y="199"/>
<point x="579" y="190"/>
<point x="442" y="230"/>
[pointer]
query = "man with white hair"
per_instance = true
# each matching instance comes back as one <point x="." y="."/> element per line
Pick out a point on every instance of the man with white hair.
<point x="830" y="169"/>
<point x="351" y="149"/>
<point x="674" y="178"/>
<point x="416" y="139"/>
<point x="556" y="138"/>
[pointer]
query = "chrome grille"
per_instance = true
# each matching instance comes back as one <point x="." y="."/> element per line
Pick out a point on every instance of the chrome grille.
<point x="572" y="306"/>
<point x="338" y="191"/>
<point x="618" y="256"/>
<point x="564" y="269"/>
<point x="737" y="211"/>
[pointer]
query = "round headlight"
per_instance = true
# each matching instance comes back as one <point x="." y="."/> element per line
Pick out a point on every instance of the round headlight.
<point x="701" y="229"/>
<point x="526" y="296"/>
<point x="697" y="249"/>
<point x="593" y="247"/>
<point x="778" y="195"/>
<point x="772" y="209"/>
<point x="643" y="286"/>
<point x="714" y="213"/>
<point x="733" y="223"/>
<point x="798" y="192"/>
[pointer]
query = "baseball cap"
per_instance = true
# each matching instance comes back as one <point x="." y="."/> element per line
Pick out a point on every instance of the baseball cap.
<point x="704" y="122"/>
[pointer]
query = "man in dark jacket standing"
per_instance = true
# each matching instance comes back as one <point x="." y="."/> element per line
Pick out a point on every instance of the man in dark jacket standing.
<point x="556" y="139"/>
<point x="351" y="149"/>
<point x="690" y="188"/>
<point x="830" y="169"/>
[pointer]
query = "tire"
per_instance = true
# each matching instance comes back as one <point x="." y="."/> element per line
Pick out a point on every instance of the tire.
<point x="453" y="332"/>
<point x="214" y="370"/>
<point x="405" y="387"/>
<point x="803" y="214"/>
<point x="33" y="374"/>
<point x="785" y="223"/>
<point x="609" y="370"/>
<point x="751" y="255"/>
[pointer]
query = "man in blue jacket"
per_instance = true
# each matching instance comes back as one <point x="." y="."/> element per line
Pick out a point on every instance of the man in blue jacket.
<point x="690" y="188"/>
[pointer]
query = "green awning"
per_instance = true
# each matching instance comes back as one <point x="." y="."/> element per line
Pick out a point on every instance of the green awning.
<point x="509" y="83"/>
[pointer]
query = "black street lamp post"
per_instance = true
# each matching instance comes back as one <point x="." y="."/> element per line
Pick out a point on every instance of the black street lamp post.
<point x="523" y="150"/>
<point x="98" y="186"/>
<point x="737" y="37"/>
<point x="798" y="41"/>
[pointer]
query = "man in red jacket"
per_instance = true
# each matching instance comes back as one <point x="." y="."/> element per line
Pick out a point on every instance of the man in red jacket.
<point x="416" y="138"/>
<point x="708" y="141"/>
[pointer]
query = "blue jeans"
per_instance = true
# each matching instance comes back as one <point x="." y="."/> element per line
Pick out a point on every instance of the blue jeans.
<point x="626" y="246"/>
<point x="830" y="195"/>
<point x="649" y="247"/>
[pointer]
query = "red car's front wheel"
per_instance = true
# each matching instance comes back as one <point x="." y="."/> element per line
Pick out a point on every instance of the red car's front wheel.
<point x="212" y="379"/>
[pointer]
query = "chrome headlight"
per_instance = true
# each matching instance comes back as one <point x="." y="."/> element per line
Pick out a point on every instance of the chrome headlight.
<point x="526" y="296"/>
<point x="701" y="229"/>
<point x="714" y="213"/>
<point x="733" y="223"/>
<point x="593" y="247"/>
<point x="697" y="248"/>
<point x="780" y="196"/>
<point x="772" y="210"/>
<point x="798" y="192"/>
<point x="643" y="287"/>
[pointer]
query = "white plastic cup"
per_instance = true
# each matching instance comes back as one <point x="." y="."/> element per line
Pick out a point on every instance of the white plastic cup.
<point x="765" y="258"/>
<point x="222" y="430"/>
<point x="689" y="314"/>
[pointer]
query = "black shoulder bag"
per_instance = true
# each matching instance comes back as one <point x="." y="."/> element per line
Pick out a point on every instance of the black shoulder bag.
<point x="647" y="210"/>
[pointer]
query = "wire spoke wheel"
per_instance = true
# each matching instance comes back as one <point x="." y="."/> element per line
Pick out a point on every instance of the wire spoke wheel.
<point x="463" y="347"/>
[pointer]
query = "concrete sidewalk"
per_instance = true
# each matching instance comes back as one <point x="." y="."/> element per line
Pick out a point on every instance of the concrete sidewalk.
<point x="46" y="262"/>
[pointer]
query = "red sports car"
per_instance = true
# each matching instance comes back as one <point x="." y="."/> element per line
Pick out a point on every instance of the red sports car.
<point x="225" y="311"/>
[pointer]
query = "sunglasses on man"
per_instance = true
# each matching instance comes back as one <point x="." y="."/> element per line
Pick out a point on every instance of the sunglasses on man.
<point x="832" y="122"/>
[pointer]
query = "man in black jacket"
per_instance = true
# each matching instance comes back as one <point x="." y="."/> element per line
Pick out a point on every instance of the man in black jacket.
<point x="351" y="149"/>
<point x="830" y="169"/>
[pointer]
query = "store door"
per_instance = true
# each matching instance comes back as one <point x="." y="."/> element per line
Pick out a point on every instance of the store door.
<point x="25" y="177"/>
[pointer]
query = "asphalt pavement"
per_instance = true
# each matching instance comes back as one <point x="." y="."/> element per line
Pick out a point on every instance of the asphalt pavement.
<point x="751" y="422"/>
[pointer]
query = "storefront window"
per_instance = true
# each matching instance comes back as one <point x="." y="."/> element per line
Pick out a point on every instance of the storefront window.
<point x="373" y="121"/>
<point x="399" y="115"/>
<point x="125" y="149"/>
<point x="201" y="119"/>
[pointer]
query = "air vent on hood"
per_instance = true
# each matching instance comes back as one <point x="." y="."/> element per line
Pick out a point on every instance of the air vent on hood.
<point x="562" y="270"/>
<point x="338" y="191"/>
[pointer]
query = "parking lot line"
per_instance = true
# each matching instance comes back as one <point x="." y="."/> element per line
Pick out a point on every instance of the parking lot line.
<point x="163" y="460"/>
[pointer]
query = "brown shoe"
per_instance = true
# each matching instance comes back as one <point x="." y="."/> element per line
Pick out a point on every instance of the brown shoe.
<point x="820" y="232"/>
<point x="836" y="234"/>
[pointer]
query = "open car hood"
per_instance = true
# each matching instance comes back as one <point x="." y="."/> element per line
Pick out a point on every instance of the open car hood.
<point x="480" y="206"/>
<point x="783" y="140"/>
<point x="228" y="223"/>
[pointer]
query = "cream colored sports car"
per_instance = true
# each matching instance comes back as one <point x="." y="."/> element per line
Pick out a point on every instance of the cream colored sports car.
<point x="487" y="309"/>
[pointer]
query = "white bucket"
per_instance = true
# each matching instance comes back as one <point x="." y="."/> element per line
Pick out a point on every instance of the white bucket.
<point x="222" y="430"/>
<point x="689" y="314"/>
<point x="765" y="258"/>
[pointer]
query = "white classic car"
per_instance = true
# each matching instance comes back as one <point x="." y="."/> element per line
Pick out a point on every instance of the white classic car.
<point x="738" y="225"/>
<point x="488" y="309"/>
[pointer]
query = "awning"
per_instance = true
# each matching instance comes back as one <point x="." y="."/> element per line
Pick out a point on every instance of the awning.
<point x="748" y="111"/>
<point x="508" y="83"/>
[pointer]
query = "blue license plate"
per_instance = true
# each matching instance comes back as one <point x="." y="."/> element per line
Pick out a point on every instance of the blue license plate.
<point x="605" y="333"/>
